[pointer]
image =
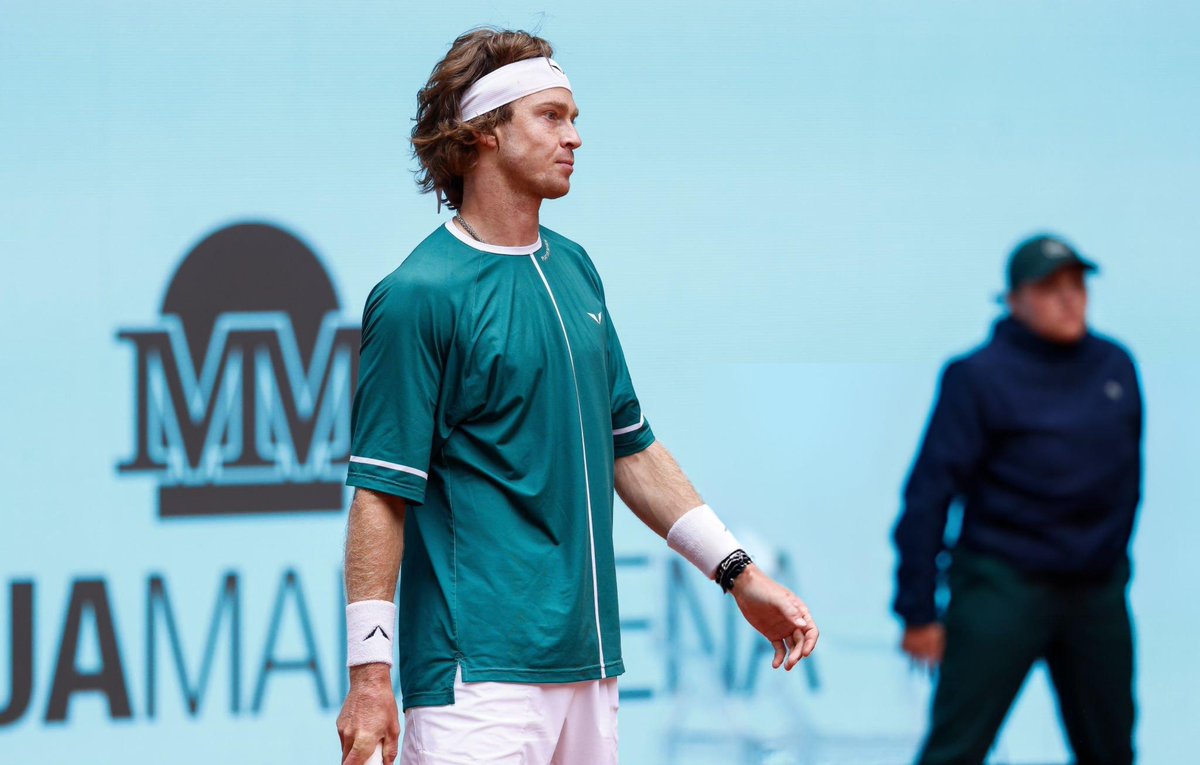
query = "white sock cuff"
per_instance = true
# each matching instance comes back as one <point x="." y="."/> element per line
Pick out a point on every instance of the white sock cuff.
<point x="370" y="625"/>
<point x="701" y="537"/>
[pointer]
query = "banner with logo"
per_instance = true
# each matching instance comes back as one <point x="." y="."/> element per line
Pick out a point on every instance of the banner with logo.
<point x="800" y="213"/>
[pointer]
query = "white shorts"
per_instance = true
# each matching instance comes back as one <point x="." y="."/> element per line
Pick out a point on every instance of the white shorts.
<point x="516" y="724"/>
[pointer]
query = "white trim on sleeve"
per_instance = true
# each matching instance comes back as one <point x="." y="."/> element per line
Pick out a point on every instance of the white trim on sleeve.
<point x="622" y="431"/>
<point x="391" y="466"/>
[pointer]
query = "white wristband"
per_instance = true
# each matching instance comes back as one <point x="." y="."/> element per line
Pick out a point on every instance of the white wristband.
<point x="700" y="537"/>
<point x="369" y="628"/>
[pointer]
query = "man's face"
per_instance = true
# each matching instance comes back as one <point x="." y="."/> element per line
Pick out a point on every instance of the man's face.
<point x="536" y="148"/>
<point x="1054" y="308"/>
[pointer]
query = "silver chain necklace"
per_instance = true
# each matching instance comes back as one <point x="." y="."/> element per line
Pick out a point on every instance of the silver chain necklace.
<point x="469" y="230"/>
<point x="467" y="227"/>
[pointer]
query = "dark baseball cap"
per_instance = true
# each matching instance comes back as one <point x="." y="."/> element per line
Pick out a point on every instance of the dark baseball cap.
<point x="1039" y="256"/>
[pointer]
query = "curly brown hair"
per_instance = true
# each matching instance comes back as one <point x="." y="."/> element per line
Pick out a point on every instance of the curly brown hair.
<point x="444" y="145"/>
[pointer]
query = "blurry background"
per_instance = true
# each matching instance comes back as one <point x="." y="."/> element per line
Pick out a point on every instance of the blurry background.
<point x="800" y="211"/>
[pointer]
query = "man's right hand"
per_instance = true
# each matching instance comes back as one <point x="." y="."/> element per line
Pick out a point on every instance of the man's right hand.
<point x="925" y="644"/>
<point x="369" y="716"/>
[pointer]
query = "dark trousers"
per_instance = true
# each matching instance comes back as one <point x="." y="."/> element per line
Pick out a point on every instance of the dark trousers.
<point x="998" y="624"/>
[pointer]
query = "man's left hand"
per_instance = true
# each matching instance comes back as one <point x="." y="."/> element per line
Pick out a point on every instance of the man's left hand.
<point x="778" y="614"/>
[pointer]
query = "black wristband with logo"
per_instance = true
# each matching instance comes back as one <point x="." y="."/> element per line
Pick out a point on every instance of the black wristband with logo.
<point x="733" y="565"/>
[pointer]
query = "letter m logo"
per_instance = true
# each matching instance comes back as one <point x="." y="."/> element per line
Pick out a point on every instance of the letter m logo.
<point x="254" y="424"/>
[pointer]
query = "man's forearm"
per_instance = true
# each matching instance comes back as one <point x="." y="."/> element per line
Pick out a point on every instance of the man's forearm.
<point x="654" y="487"/>
<point x="656" y="490"/>
<point x="374" y="546"/>
<point x="918" y="537"/>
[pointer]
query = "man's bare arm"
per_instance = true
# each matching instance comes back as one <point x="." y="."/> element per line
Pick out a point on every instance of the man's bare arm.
<point x="655" y="488"/>
<point x="374" y="545"/>
<point x="374" y="549"/>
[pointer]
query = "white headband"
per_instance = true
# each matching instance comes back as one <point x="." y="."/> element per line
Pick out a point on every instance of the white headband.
<point x="508" y="83"/>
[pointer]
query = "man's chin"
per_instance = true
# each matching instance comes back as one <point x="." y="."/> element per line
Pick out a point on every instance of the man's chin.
<point x="556" y="192"/>
<point x="1071" y="335"/>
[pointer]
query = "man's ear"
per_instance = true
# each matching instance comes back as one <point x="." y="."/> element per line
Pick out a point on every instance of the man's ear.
<point x="487" y="140"/>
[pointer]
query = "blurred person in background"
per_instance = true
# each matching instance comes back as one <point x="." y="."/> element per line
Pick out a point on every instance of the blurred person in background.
<point x="1038" y="435"/>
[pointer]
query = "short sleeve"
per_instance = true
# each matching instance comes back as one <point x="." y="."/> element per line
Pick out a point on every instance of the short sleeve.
<point x="395" y="407"/>
<point x="631" y="431"/>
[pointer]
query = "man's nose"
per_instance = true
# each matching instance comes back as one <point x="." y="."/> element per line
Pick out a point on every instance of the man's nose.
<point x="571" y="139"/>
<point x="1071" y="296"/>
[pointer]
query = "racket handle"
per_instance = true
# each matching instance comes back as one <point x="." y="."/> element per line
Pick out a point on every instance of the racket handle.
<point x="377" y="756"/>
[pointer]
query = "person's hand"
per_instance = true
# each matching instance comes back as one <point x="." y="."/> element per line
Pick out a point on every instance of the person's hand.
<point x="369" y="716"/>
<point x="778" y="614"/>
<point x="925" y="645"/>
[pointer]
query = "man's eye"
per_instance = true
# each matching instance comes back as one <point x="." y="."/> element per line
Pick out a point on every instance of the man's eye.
<point x="551" y="115"/>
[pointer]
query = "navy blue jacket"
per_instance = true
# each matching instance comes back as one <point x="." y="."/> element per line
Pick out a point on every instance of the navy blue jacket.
<point x="1042" y="444"/>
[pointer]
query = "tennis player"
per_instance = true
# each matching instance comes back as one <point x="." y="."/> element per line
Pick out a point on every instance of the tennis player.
<point x="493" y="418"/>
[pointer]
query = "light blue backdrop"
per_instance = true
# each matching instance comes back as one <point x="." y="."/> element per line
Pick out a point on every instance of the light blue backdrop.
<point x="800" y="211"/>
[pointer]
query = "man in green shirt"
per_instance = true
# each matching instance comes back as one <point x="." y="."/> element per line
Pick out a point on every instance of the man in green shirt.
<point x="494" y="417"/>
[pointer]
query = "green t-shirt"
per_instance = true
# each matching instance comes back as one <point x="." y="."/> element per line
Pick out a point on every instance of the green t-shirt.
<point x="493" y="396"/>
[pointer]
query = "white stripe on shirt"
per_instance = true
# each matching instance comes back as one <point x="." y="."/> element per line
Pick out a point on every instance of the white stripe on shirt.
<point x="391" y="466"/>
<point x="631" y="428"/>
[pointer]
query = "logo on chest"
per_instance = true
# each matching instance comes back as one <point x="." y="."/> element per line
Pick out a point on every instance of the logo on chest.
<point x="597" y="317"/>
<point x="1113" y="390"/>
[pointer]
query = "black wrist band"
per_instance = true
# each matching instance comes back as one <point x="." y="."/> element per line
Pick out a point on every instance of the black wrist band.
<point x="731" y="567"/>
